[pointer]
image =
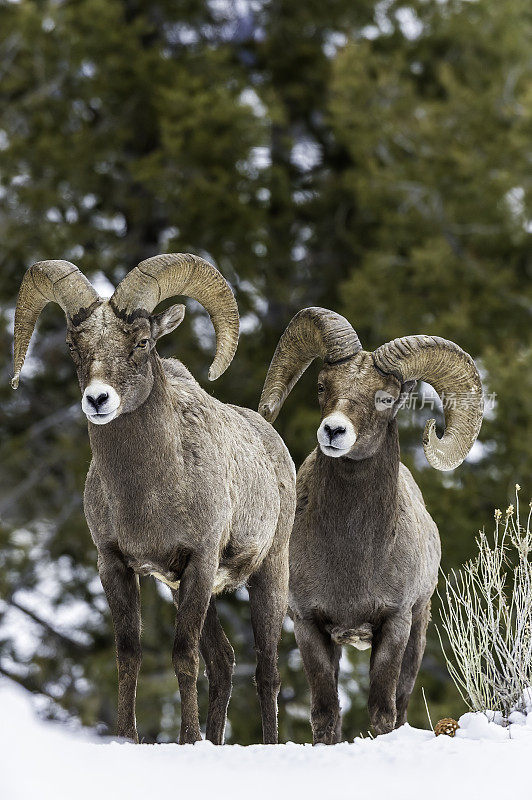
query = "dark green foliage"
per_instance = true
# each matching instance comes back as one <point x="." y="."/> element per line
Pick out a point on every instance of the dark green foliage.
<point x="369" y="157"/>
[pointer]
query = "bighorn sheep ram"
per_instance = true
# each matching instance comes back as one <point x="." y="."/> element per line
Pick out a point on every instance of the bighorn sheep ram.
<point x="364" y="552"/>
<point x="197" y="493"/>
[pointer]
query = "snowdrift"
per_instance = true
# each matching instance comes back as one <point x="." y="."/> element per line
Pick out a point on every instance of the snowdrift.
<point x="50" y="762"/>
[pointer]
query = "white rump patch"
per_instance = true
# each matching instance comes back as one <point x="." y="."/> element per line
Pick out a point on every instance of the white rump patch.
<point x="171" y="584"/>
<point x="360" y="644"/>
<point x="360" y="637"/>
<point x="222" y="580"/>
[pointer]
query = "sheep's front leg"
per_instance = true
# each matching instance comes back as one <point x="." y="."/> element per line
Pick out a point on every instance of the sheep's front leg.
<point x="321" y="659"/>
<point x="194" y="596"/>
<point x="122" y="591"/>
<point x="387" y="654"/>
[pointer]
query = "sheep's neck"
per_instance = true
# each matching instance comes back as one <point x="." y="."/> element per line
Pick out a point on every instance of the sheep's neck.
<point x="130" y="450"/>
<point x="361" y="495"/>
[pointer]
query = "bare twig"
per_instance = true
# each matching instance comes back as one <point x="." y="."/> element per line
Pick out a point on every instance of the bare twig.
<point x="427" y="708"/>
<point x="486" y="613"/>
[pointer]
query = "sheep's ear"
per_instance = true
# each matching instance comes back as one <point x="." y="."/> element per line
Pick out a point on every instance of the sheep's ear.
<point x="167" y="321"/>
<point x="406" y="388"/>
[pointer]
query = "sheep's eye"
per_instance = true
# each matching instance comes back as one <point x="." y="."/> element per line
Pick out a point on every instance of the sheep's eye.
<point x="71" y="347"/>
<point x="143" y="343"/>
<point x="321" y="387"/>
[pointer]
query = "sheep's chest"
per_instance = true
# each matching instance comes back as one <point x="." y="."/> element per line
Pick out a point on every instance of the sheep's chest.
<point x="156" y="532"/>
<point x="346" y="580"/>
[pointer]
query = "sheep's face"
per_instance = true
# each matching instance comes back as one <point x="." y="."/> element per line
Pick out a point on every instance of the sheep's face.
<point x="115" y="359"/>
<point x="357" y="404"/>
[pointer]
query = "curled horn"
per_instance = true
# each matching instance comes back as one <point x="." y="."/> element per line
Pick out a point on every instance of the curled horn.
<point x="163" y="276"/>
<point x="312" y="333"/>
<point x="453" y="374"/>
<point x="44" y="282"/>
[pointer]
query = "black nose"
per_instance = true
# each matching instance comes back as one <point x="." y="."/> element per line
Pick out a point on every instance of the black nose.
<point x="96" y="402"/>
<point x="332" y="432"/>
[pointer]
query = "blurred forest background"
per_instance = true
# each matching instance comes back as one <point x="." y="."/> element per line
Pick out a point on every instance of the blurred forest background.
<point x="370" y="157"/>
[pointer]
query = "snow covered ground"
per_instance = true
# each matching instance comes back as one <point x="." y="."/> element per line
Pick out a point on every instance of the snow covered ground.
<point x="47" y="761"/>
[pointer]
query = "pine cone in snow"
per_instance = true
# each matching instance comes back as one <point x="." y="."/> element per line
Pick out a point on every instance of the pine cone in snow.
<point x="447" y="727"/>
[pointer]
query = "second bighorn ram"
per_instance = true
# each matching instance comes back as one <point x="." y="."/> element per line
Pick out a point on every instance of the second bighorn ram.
<point x="364" y="551"/>
<point x="197" y="493"/>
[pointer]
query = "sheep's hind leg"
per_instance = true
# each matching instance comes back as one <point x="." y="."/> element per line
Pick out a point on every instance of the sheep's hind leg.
<point x="321" y="658"/>
<point x="193" y="601"/>
<point x="268" y="596"/>
<point x="389" y="645"/>
<point x="219" y="660"/>
<point x="411" y="663"/>
<point x="122" y="591"/>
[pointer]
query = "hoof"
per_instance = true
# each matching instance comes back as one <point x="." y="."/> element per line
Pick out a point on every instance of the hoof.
<point x="190" y="737"/>
<point x="325" y="734"/>
<point x="130" y="735"/>
<point x="383" y="722"/>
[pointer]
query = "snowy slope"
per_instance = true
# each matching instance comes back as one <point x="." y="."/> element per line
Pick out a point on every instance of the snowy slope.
<point x="46" y="761"/>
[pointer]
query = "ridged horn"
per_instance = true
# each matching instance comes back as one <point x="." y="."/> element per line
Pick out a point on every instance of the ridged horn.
<point x="163" y="276"/>
<point x="49" y="281"/>
<point x="311" y="333"/>
<point x="454" y="376"/>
